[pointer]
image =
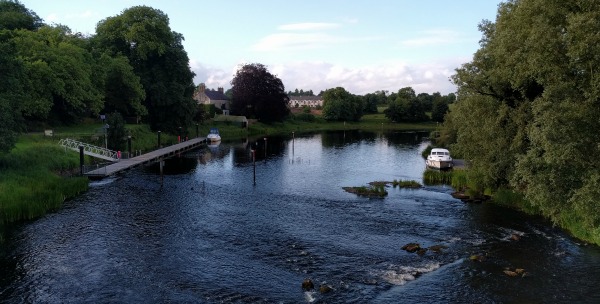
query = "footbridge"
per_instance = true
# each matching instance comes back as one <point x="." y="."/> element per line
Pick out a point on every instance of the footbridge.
<point x="90" y="150"/>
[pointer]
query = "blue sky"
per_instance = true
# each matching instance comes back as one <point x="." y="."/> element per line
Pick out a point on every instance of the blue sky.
<point x="362" y="46"/>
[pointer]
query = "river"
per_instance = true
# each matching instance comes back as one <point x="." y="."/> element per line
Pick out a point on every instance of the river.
<point x="205" y="233"/>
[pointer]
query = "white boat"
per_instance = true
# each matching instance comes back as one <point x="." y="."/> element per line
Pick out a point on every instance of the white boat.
<point x="439" y="159"/>
<point x="213" y="136"/>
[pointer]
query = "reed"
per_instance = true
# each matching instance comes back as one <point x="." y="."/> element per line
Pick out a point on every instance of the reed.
<point x="437" y="177"/>
<point x="406" y="184"/>
<point x="32" y="182"/>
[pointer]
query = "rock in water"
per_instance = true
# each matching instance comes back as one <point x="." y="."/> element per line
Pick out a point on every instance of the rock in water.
<point x="307" y="285"/>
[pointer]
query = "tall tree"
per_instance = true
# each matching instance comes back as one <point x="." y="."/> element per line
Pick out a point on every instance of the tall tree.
<point x="123" y="91"/>
<point x="14" y="15"/>
<point x="59" y="75"/>
<point x="532" y="94"/>
<point x="11" y="94"/>
<point x="258" y="93"/>
<point x="341" y="105"/>
<point x="406" y="107"/>
<point x="143" y="35"/>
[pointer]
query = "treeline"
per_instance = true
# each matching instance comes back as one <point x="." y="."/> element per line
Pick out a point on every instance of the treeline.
<point x="135" y="65"/>
<point x="528" y="108"/>
<point x="402" y="106"/>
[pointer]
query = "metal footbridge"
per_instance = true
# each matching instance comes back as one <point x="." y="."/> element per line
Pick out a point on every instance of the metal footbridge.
<point x="90" y="150"/>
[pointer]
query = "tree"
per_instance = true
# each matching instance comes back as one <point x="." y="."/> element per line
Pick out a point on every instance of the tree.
<point x="258" y="93"/>
<point x="123" y="91"/>
<point x="14" y="15"/>
<point x="340" y="105"/>
<point x="142" y="34"/>
<point x="406" y="107"/>
<point x="116" y="132"/>
<point x="59" y="75"/>
<point x="11" y="94"/>
<point x="532" y="93"/>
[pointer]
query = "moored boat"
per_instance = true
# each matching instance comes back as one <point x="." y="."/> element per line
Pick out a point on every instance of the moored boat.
<point x="439" y="158"/>
<point x="213" y="136"/>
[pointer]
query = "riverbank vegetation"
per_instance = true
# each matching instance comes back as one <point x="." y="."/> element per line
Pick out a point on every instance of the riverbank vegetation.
<point x="526" y="114"/>
<point x="37" y="176"/>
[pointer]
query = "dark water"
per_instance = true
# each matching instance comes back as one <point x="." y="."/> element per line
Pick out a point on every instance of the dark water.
<point x="207" y="235"/>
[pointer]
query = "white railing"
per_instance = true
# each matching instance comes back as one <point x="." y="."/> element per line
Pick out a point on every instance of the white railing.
<point x="88" y="149"/>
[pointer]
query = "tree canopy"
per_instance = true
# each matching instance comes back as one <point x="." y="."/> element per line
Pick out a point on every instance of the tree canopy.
<point x="340" y="105"/>
<point x="528" y="104"/>
<point x="142" y="34"/>
<point x="406" y="107"/>
<point x="258" y="93"/>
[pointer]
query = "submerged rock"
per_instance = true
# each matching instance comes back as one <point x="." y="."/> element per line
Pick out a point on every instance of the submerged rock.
<point x="411" y="247"/>
<point x="437" y="248"/>
<point x="324" y="288"/>
<point x="307" y="285"/>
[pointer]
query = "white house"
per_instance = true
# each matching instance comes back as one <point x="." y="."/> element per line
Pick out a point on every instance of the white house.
<point x="309" y="101"/>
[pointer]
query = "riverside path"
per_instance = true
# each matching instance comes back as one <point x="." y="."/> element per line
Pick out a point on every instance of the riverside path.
<point x="150" y="157"/>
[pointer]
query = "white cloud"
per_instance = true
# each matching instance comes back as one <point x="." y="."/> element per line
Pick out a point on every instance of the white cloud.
<point x="294" y="41"/>
<point x="432" y="38"/>
<point x="308" y="26"/>
<point x="319" y="76"/>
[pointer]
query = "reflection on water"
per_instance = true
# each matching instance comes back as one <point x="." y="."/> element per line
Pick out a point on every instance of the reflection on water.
<point x="206" y="234"/>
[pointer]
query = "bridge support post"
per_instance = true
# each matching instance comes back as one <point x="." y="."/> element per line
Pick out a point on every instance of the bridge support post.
<point x="81" y="159"/>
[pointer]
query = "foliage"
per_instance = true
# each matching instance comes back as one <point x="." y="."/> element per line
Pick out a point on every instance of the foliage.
<point x="340" y="105"/>
<point x="406" y="184"/>
<point x="406" y="107"/>
<point x="123" y="91"/>
<point x="11" y="95"/>
<point x="59" y="72"/>
<point x="30" y="185"/>
<point x="143" y="35"/>
<point x="116" y="132"/>
<point x="14" y="16"/>
<point x="438" y="177"/>
<point x="301" y="92"/>
<point x="527" y="110"/>
<point x="258" y="93"/>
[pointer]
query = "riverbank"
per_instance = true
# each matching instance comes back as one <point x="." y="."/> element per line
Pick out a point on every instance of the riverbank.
<point x="38" y="176"/>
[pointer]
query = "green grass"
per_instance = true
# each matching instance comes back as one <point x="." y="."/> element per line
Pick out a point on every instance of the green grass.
<point x="32" y="181"/>
<point x="406" y="184"/>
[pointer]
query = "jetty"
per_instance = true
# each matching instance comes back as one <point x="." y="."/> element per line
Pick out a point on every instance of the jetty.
<point x="148" y="158"/>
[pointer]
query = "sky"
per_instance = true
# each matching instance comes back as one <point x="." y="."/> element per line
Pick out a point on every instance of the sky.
<point x="362" y="46"/>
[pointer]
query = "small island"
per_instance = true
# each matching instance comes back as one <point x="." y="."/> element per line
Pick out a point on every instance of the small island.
<point x="377" y="189"/>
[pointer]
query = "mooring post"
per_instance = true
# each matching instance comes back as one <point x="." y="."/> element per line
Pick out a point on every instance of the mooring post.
<point x="197" y="134"/>
<point x="159" y="139"/>
<point x="81" y="160"/>
<point x="162" y="164"/>
<point x="254" y="164"/>
<point x="129" y="146"/>
<point x="265" y="149"/>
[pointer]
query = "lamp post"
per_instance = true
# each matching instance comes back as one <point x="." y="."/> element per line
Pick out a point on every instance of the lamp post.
<point x="106" y="126"/>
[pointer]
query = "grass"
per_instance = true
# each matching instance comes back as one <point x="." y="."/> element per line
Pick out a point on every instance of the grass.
<point x="406" y="184"/>
<point x="34" y="179"/>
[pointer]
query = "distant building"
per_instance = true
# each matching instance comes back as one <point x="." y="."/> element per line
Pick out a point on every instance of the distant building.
<point x="216" y="98"/>
<point x="309" y="101"/>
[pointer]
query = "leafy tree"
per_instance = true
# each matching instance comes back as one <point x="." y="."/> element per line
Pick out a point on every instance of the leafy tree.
<point x="142" y="34"/>
<point x="123" y="91"/>
<point x="14" y="15"/>
<point x="59" y="75"/>
<point x="340" y="105"/>
<point x="116" y="132"/>
<point x="258" y="93"/>
<point x="528" y="106"/>
<point x="439" y="109"/>
<point x="11" y="94"/>
<point x="406" y="107"/>
<point x="370" y="102"/>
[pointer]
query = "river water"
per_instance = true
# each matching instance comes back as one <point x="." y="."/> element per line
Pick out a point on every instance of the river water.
<point x="204" y="233"/>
